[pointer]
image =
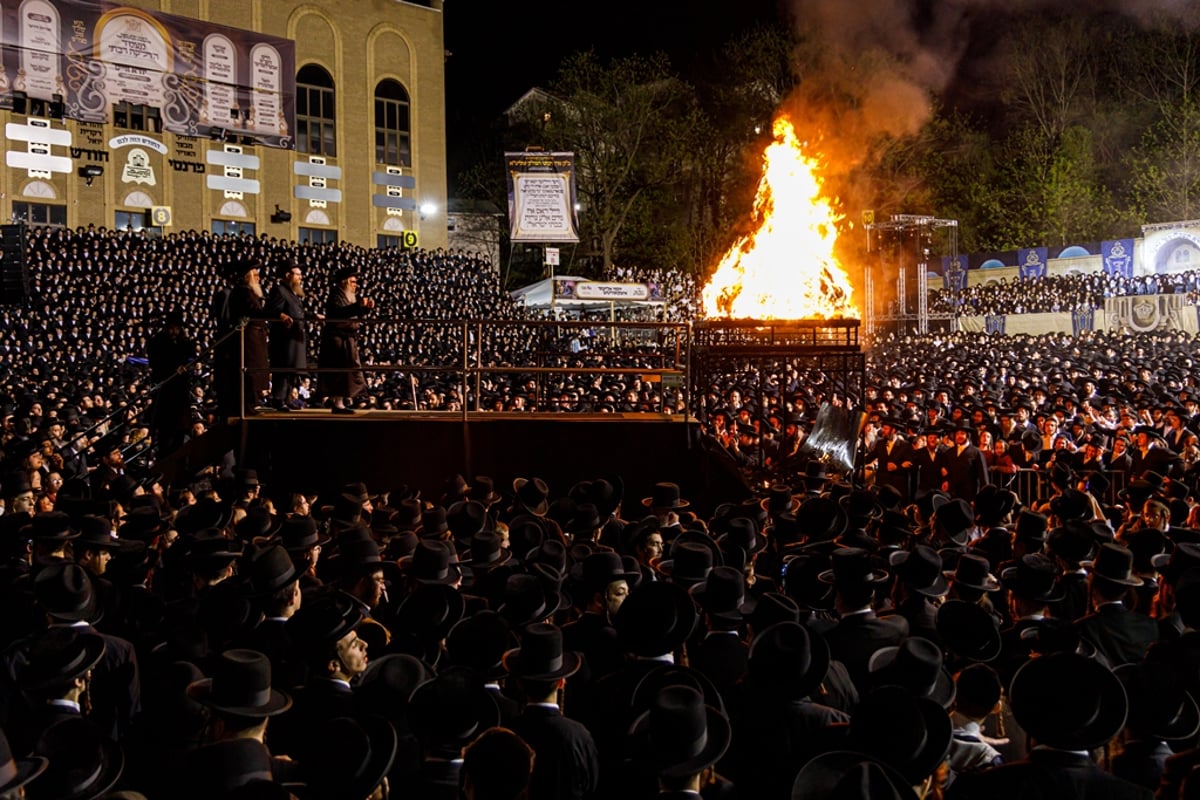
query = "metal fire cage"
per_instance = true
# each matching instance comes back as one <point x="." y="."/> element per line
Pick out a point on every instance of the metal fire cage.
<point x="824" y="353"/>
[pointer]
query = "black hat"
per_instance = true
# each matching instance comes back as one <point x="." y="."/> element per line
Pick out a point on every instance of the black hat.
<point x="1074" y="541"/>
<point x="59" y="656"/>
<point x="968" y="630"/>
<point x="1068" y="701"/>
<point x="483" y="490"/>
<point x="300" y="533"/>
<point x="599" y="569"/>
<point x="1113" y="564"/>
<point x="526" y="600"/>
<point x="241" y="685"/>
<point x="388" y="682"/>
<point x="95" y="533"/>
<point x="1183" y="557"/>
<point x="780" y="499"/>
<point x="533" y="494"/>
<point x="1160" y="707"/>
<point x="665" y="496"/>
<point x="909" y="732"/>
<point x="452" y="708"/>
<point x="15" y="773"/>
<point x="920" y="570"/>
<point x="790" y="657"/>
<point x="356" y="754"/>
<point x="1034" y="577"/>
<point x="324" y="619"/>
<point x="540" y="656"/>
<point x="955" y="518"/>
<point x="993" y="504"/>
<point x="429" y="613"/>
<point x="271" y="569"/>
<point x="852" y="566"/>
<point x="723" y="594"/>
<point x="848" y="775"/>
<point x="479" y="642"/>
<point x="689" y="564"/>
<point x="656" y="619"/>
<point x="486" y="551"/>
<point x="1031" y="526"/>
<point x="83" y="763"/>
<point x="742" y="532"/>
<point x="431" y="562"/>
<point x="65" y="591"/>
<point x="917" y="665"/>
<point x="680" y="735"/>
<point x="345" y="272"/>
<point x="974" y="572"/>
<point x="1072" y="504"/>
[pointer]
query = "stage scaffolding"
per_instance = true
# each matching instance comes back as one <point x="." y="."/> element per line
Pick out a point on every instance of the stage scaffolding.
<point x="906" y="244"/>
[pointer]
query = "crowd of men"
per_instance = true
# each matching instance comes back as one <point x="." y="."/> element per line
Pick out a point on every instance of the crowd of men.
<point x="923" y="627"/>
<point x="1058" y="293"/>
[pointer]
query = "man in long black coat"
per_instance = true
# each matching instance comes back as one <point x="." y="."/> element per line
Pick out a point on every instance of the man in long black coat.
<point x="288" y="346"/>
<point x="169" y="351"/>
<point x="339" y="341"/>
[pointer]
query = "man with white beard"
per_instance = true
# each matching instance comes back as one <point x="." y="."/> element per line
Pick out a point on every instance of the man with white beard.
<point x="288" y="343"/>
<point x="247" y="302"/>
<point x="339" y="342"/>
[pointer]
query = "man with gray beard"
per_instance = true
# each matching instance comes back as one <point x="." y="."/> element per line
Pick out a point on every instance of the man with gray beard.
<point x="288" y="346"/>
<point x="247" y="304"/>
<point x="339" y="342"/>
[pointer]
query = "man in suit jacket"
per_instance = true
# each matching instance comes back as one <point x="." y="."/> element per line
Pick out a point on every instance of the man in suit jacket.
<point x="859" y="633"/>
<point x="288" y="347"/>
<point x="1119" y="633"/>
<point x="928" y="461"/>
<point x="893" y="459"/>
<point x="566" y="763"/>
<point x="965" y="470"/>
<point x="1069" y="705"/>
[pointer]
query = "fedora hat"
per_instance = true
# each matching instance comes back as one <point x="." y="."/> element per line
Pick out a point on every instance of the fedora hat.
<point x="974" y="572"/>
<point x="204" y="513"/>
<point x="689" y="564"/>
<point x="59" y="656"/>
<point x="789" y="657"/>
<point x="656" y="619"/>
<point x="65" y="591"/>
<point x="968" y="630"/>
<point x="479" y="642"/>
<point x="920" y="569"/>
<point x="600" y="569"/>
<point x="15" y="773"/>
<point x="1034" y="577"/>
<point x="1183" y="557"/>
<point x="53" y="526"/>
<point x="83" y="763"/>
<point x="860" y="506"/>
<point x="916" y="664"/>
<point x="820" y="519"/>
<point x="993" y="504"/>
<point x="431" y="562"/>
<point x="240" y="685"/>
<point x="1073" y="541"/>
<point x="898" y="727"/>
<point x="483" y="490"/>
<point x="679" y="735"/>
<point x="540" y="656"/>
<point x="665" y="497"/>
<point x="271" y="569"/>
<point x="1031" y="526"/>
<point x="1072" y="504"/>
<point x="802" y="583"/>
<point x="388" y="682"/>
<point x="486" y="551"/>
<point x="430" y="612"/>
<point x="772" y="608"/>
<point x="354" y="757"/>
<point x="1114" y="564"/>
<point x="584" y="519"/>
<point x="1160" y="706"/>
<point x="955" y="519"/>
<point x="218" y="768"/>
<point x="1068" y="701"/>
<point x="297" y="534"/>
<point x="95" y="533"/>
<point x="451" y="709"/>
<point x="466" y="518"/>
<point x="408" y="514"/>
<point x="742" y="532"/>
<point x="780" y="499"/>
<point x="533" y="494"/>
<point x="848" y="775"/>
<point x="433" y="523"/>
<point x="324" y="618"/>
<point x="526" y="600"/>
<point x="850" y="566"/>
<point x="723" y="594"/>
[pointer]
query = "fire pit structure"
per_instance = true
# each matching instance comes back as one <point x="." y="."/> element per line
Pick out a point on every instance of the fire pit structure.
<point x="723" y="351"/>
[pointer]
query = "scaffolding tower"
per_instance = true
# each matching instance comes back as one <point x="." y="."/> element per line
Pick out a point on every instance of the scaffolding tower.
<point x="932" y="237"/>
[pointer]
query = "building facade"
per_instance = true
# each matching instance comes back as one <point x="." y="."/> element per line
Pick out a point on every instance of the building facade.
<point x="310" y="120"/>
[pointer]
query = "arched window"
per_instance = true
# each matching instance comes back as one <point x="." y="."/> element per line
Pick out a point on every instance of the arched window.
<point x="392" y="142"/>
<point x="315" y="117"/>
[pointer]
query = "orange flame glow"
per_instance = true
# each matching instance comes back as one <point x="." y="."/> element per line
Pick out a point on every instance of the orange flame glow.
<point x="785" y="268"/>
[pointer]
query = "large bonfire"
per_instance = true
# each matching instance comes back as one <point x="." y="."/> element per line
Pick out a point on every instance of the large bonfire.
<point x="785" y="268"/>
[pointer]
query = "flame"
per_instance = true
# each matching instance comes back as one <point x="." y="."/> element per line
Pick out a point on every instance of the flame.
<point x="785" y="269"/>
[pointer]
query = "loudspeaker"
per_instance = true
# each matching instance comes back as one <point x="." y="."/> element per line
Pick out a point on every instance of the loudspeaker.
<point x="14" y="272"/>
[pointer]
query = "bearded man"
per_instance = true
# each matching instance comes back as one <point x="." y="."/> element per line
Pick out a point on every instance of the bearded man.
<point x="288" y="344"/>
<point x="247" y="302"/>
<point x="339" y="341"/>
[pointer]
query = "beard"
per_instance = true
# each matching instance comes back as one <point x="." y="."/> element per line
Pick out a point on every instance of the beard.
<point x="352" y="297"/>
<point x="256" y="288"/>
<point x="297" y="286"/>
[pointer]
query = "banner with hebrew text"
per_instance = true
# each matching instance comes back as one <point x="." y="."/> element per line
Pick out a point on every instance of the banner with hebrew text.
<point x="200" y="78"/>
<point x="541" y="197"/>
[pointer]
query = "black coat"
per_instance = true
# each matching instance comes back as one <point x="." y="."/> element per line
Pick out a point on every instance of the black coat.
<point x="339" y="347"/>
<point x="1118" y="633"/>
<point x="1048" y="774"/>
<point x="288" y="343"/>
<point x="566" y="763"/>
